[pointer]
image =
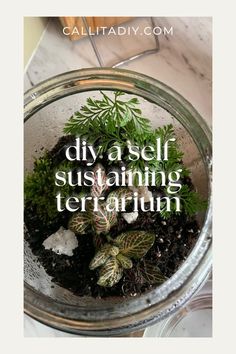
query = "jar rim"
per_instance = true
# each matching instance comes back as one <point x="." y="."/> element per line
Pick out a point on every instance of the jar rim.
<point x="158" y="303"/>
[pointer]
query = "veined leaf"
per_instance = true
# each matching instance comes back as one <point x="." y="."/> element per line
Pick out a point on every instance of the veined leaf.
<point x="151" y="273"/>
<point x="135" y="244"/>
<point x="110" y="273"/>
<point x="112" y="216"/>
<point x="115" y="198"/>
<point x="98" y="241"/>
<point x="114" y="251"/>
<point x="100" y="257"/>
<point x="99" y="186"/>
<point x="124" y="261"/>
<point x="79" y="222"/>
<point x="103" y="219"/>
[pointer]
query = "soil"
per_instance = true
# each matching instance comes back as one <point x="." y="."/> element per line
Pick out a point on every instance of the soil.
<point x="175" y="237"/>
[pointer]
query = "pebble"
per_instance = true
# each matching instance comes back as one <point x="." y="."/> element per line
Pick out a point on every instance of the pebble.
<point x="130" y="217"/>
<point x="61" y="242"/>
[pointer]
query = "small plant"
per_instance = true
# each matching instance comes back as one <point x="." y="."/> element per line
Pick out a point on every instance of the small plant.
<point x="190" y="201"/>
<point x="116" y="256"/>
<point x="109" y="121"/>
<point x="100" y="220"/>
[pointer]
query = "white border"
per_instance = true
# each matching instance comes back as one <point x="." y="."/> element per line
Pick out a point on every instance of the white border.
<point x="12" y="176"/>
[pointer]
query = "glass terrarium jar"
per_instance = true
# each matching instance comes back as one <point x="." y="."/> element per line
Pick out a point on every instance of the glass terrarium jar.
<point x="48" y="106"/>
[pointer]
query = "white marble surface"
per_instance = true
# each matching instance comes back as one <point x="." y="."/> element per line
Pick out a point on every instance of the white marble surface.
<point x="183" y="62"/>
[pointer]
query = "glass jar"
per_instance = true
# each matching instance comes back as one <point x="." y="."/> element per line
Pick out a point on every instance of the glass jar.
<point x="48" y="105"/>
<point x="192" y="320"/>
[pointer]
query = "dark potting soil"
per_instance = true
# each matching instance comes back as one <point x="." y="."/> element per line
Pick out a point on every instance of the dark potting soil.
<point x="175" y="237"/>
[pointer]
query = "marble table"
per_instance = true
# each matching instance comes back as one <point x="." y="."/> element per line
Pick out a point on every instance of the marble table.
<point x="183" y="62"/>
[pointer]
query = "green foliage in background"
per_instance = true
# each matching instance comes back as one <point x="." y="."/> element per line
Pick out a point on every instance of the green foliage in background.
<point x="110" y="122"/>
<point x="40" y="190"/>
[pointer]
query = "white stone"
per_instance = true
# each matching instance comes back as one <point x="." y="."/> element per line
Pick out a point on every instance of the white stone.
<point x="130" y="217"/>
<point x="143" y="192"/>
<point x="61" y="242"/>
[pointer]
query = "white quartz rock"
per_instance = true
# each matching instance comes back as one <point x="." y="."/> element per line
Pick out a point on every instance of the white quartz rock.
<point x="143" y="192"/>
<point x="130" y="217"/>
<point x="62" y="242"/>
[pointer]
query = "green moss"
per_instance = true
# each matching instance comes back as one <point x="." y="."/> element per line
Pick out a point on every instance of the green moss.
<point x="40" y="190"/>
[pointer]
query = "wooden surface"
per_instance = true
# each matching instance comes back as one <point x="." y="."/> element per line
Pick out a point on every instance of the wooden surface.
<point x="93" y="24"/>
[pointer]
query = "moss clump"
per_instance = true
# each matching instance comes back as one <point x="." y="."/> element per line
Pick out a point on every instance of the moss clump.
<point x="40" y="190"/>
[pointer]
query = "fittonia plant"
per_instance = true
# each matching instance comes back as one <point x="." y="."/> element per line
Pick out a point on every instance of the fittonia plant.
<point x="100" y="219"/>
<point x="108" y="122"/>
<point x="116" y="254"/>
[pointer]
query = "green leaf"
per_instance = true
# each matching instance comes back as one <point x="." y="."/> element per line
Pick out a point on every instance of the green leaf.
<point x="100" y="257"/>
<point x="142" y="125"/>
<point x="112" y="120"/>
<point x="151" y="273"/>
<point x="135" y="244"/>
<point x="191" y="201"/>
<point x="99" y="186"/>
<point x="103" y="219"/>
<point x="133" y="101"/>
<point x="79" y="222"/>
<point x="165" y="133"/>
<point x="125" y="119"/>
<point x="98" y="241"/>
<point x="119" y="93"/>
<point x="115" y="198"/>
<point x="124" y="261"/>
<point x="111" y="273"/>
<point x="112" y="216"/>
<point x="114" y="251"/>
